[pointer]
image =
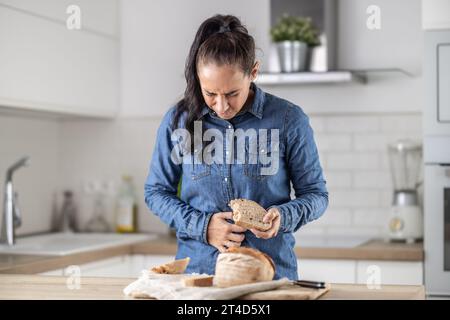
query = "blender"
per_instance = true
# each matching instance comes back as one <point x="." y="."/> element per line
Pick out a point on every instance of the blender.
<point x="406" y="220"/>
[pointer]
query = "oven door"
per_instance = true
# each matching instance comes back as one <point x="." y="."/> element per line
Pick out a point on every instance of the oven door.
<point x="437" y="229"/>
<point x="437" y="82"/>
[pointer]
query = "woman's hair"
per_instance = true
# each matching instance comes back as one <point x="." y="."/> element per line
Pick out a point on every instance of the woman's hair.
<point x="222" y="40"/>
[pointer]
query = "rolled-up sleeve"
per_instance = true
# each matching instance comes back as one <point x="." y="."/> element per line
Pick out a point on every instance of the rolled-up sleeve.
<point x="160" y="189"/>
<point x="311" y="195"/>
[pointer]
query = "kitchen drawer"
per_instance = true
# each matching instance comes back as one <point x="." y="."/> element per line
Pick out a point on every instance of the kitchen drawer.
<point x="389" y="272"/>
<point x="129" y="266"/>
<point x="116" y="266"/>
<point x="56" y="272"/>
<point x="335" y="271"/>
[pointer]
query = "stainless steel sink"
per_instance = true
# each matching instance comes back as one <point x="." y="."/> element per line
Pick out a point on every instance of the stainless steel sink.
<point x="60" y="244"/>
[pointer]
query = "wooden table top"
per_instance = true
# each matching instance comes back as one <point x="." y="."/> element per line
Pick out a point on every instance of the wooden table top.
<point x="35" y="287"/>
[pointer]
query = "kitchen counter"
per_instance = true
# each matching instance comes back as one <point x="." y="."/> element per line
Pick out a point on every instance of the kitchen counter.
<point x="165" y="245"/>
<point x="375" y="249"/>
<point x="52" y="287"/>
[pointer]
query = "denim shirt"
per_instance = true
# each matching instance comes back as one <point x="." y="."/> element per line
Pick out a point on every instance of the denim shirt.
<point x="207" y="188"/>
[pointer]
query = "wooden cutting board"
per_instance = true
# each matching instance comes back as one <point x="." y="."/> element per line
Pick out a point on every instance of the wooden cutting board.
<point x="289" y="292"/>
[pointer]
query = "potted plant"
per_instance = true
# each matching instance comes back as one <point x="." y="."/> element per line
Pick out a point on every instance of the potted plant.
<point x="294" y="36"/>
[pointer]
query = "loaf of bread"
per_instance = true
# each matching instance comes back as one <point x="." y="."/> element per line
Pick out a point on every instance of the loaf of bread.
<point x="199" y="281"/>
<point x="249" y="214"/>
<point x="243" y="265"/>
<point x="174" y="267"/>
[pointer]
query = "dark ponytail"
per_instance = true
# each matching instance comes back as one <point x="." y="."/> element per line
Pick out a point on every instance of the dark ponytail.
<point x="221" y="39"/>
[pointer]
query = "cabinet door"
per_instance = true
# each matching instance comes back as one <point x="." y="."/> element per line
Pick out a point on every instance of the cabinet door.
<point x="389" y="272"/>
<point x="129" y="266"/>
<point x="56" y="272"/>
<point x="333" y="271"/>
<point x="435" y="14"/>
<point x="98" y="15"/>
<point x="443" y="60"/>
<point x="397" y="43"/>
<point x="111" y="267"/>
<point x="437" y="81"/>
<point x="46" y="67"/>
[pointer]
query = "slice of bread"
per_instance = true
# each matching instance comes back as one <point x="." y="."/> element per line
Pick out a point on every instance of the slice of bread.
<point x="243" y="265"/>
<point x="174" y="267"/>
<point x="249" y="214"/>
<point x="199" y="281"/>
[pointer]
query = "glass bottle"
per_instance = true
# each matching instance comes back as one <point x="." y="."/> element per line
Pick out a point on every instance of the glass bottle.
<point x="126" y="207"/>
<point x="68" y="214"/>
<point x="98" y="222"/>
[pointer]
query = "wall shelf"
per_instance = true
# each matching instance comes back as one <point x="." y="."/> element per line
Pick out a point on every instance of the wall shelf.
<point x="310" y="78"/>
<point x="361" y="76"/>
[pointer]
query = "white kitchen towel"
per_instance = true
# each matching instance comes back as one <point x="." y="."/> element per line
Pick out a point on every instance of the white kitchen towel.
<point x="171" y="287"/>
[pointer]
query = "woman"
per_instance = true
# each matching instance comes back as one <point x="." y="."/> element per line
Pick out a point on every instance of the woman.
<point x="223" y="107"/>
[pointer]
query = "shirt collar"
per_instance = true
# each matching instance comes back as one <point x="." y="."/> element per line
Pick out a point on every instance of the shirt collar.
<point x="257" y="104"/>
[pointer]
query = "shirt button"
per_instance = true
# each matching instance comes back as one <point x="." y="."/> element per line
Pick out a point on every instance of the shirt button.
<point x="226" y="179"/>
<point x="226" y="152"/>
<point x="230" y="126"/>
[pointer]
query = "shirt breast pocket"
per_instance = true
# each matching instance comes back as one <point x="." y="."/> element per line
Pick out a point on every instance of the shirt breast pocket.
<point x="262" y="162"/>
<point x="200" y="169"/>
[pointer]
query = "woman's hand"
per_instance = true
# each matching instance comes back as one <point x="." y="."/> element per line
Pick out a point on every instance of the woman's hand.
<point x="222" y="234"/>
<point x="272" y="215"/>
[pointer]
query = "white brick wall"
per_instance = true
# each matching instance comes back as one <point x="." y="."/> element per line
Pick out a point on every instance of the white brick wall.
<point x="353" y="151"/>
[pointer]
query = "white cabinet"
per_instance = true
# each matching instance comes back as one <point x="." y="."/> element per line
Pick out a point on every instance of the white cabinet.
<point x="389" y="272"/>
<point x="380" y="34"/>
<point x="128" y="266"/>
<point x="56" y="272"/>
<point x="361" y="271"/>
<point x="435" y="14"/>
<point x="44" y="66"/>
<point x="334" y="271"/>
<point x="328" y="270"/>
<point x="98" y="15"/>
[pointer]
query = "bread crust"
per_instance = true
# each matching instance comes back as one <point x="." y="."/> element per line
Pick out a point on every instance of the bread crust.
<point x="199" y="281"/>
<point x="264" y="258"/>
<point x="243" y="265"/>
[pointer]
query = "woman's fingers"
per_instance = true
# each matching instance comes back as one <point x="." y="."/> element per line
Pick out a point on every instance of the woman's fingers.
<point x="226" y="215"/>
<point x="261" y="234"/>
<point x="230" y="244"/>
<point x="272" y="232"/>
<point x="236" y="237"/>
<point x="222" y="249"/>
<point x="236" y="228"/>
<point x="271" y="215"/>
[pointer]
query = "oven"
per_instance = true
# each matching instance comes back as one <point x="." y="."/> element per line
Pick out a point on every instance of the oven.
<point x="437" y="229"/>
<point x="437" y="162"/>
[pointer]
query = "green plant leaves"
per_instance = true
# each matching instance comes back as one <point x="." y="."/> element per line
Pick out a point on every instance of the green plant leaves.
<point x="291" y="28"/>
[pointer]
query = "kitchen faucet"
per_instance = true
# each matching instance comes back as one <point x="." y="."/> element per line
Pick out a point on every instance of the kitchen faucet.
<point x="11" y="214"/>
